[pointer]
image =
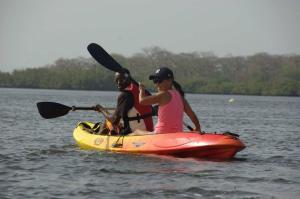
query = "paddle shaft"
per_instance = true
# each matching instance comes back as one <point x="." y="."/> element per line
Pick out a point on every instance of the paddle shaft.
<point x="188" y="126"/>
<point x="92" y="108"/>
<point x="74" y="108"/>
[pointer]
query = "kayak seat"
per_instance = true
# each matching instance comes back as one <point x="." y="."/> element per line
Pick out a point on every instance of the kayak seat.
<point x="95" y="129"/>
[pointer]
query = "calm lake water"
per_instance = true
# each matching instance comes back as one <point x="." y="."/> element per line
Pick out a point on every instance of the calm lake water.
<point x="39" y="158"/>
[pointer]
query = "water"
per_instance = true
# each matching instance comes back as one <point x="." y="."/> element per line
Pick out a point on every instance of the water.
<point x="39" y="158"/>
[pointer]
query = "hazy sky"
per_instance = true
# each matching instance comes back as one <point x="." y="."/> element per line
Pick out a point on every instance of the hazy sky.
<point x="37" y="32"/>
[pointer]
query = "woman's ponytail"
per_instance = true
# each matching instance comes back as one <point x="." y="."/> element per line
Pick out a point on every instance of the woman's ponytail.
<point x="178" y="88"/>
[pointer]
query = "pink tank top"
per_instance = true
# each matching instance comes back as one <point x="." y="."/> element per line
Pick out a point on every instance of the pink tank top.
<point x="170" y="116"/>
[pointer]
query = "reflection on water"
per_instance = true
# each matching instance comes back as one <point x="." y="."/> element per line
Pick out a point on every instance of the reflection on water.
<point x="39" y="158"/>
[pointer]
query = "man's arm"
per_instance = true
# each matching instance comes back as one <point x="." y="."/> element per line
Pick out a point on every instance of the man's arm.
<point x="124" y="104"/>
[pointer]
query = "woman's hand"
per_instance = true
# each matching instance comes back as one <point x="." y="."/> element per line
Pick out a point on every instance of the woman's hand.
<point x="198" y="129"/>
<point x="141" y="87"/>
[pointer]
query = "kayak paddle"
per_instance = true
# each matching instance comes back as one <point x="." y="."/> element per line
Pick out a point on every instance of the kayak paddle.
<point x="103" y="58"/>
<point x="50" y="110"/>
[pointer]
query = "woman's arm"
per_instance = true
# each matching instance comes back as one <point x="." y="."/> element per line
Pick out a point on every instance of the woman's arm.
<point x="188" y="110"/>
<point x="158" y="98"/>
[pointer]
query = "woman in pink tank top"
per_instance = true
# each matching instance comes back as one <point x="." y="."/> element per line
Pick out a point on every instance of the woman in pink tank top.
<point x="171" y="102"/>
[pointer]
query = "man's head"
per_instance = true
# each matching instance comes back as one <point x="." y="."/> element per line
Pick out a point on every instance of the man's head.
<point x="122" y="79"/>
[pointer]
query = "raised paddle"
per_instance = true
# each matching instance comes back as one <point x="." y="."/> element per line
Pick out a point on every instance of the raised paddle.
<point x="106" y="60"/>
<point x="103" y="58"/>
<point x="50" y="110"/>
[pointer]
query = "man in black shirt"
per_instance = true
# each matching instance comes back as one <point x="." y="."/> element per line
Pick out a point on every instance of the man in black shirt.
<point x="125" y="102"/>
<point x="134" y="115"/>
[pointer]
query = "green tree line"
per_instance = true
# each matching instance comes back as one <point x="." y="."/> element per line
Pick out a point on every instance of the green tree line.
<point x="259" y="74"/>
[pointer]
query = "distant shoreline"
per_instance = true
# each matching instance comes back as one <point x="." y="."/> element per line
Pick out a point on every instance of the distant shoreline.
<point x="116" y="91"/>
<point x="259" y="75"/>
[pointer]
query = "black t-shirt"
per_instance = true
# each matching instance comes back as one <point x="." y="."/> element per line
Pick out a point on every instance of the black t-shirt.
<point x="124" y="104"/>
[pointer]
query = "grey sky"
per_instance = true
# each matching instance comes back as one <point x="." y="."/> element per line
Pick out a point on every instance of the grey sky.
<point x="35" y="33"/>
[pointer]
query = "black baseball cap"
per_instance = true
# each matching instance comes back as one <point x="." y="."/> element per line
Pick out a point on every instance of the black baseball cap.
<point x="162" y="74"/>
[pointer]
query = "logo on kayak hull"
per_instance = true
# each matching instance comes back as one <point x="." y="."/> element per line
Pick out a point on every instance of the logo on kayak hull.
<point x="138" y="143"/>
<point x="98" y="141"/>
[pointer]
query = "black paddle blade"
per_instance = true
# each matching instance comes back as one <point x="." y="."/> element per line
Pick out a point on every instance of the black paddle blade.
<point x="50" y="110"/>
<point x="103" y="58"/>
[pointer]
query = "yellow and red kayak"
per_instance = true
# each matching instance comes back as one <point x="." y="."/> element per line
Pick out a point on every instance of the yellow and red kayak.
<point x="181" y="144"/>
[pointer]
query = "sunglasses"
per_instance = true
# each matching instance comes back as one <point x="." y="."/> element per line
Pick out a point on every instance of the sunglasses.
<point x="157" y="81"/>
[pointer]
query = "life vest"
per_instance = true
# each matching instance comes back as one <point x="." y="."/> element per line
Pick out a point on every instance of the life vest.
<point x="140" y="116"/>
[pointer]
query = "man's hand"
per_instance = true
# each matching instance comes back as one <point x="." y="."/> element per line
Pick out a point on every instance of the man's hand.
<point x="99" y="108"/>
